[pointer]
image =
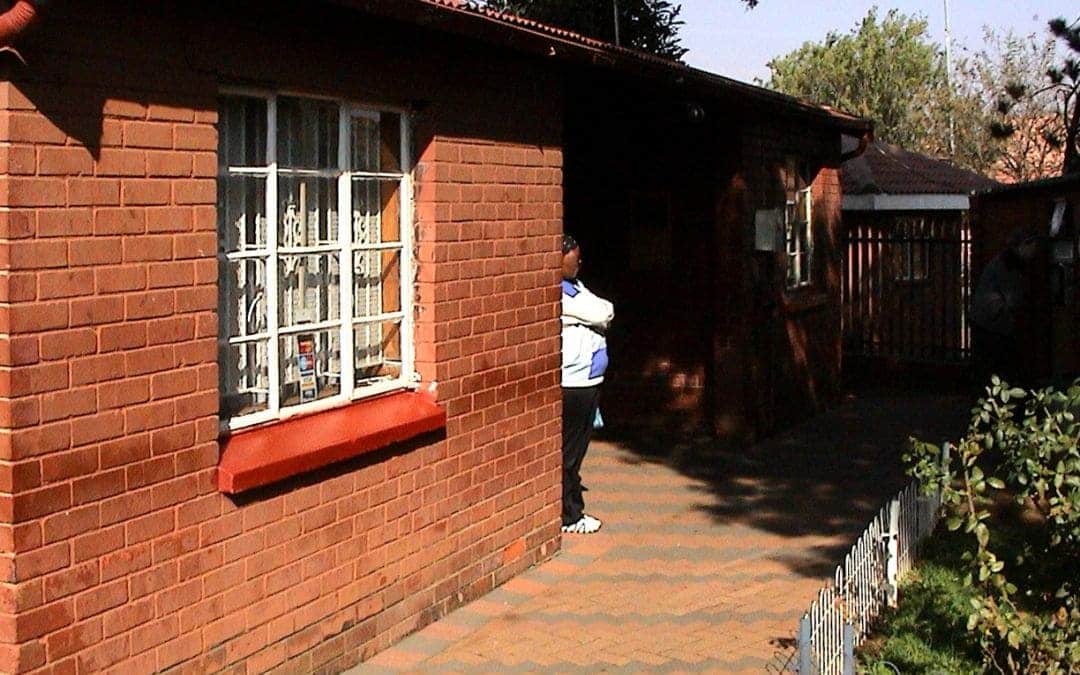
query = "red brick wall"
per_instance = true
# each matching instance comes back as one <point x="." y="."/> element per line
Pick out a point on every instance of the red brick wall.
<point x="792" y="338"/>
<point x="116" y="550"/>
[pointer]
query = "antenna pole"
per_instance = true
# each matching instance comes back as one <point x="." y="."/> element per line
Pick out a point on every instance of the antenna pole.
<point x="615" y="7"/>
<point x="948" y="80"/>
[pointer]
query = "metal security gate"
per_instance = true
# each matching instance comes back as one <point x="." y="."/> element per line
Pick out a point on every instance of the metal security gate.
<point x="907" y="286"/>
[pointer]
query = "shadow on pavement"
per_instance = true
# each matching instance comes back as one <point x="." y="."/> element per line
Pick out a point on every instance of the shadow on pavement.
<point x="826" y="477"/>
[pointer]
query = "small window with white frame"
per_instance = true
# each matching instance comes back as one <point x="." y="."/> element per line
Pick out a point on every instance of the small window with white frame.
<point x="315" y="309"/>
<point x="798" y="228"/>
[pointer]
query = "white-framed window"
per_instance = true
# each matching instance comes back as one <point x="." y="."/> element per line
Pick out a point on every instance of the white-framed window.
<point x="798" y="229"/>
<point x="315" y="309"/>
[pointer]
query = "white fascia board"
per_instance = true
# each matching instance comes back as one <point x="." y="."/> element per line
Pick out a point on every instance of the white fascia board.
<point x="929" y="202"/>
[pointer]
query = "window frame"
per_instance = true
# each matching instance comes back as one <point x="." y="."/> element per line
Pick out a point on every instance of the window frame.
<point x="796" y="258"/>
<point x="345" y="248"/>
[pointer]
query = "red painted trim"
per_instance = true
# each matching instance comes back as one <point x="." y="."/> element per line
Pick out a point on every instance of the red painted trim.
<point x="268" y="454"/>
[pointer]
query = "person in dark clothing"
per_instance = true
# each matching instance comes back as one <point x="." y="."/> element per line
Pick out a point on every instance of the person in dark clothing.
<point x="997" y="308"/>
<point x="585" y="318"/>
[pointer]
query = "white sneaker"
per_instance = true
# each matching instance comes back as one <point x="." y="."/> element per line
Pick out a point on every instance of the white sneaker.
<point x="585" y="525"/>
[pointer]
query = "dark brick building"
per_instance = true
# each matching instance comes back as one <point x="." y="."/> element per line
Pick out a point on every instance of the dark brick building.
<point x="1050" y="319"/>
<point x="279" y="336"/>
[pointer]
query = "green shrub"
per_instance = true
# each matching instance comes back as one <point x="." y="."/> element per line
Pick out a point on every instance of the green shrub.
<point x="1020" y="444"/>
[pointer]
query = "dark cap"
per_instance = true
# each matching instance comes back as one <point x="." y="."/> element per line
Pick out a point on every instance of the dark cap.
<point x="568" y="244"/>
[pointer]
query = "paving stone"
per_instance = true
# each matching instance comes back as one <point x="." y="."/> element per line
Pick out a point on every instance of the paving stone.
<point x="705" y="563"/>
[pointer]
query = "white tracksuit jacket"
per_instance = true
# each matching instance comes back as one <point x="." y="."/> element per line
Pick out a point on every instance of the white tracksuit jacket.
<point x="585" y="317"/>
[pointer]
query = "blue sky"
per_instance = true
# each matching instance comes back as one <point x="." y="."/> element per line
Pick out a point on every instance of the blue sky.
<point x="728" y="39"/>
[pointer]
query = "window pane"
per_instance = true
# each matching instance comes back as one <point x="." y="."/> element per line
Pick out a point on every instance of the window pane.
<point x="307" y="133"/>
<point x="377" y="282"/>
<point x="365" y="144"/>
<point x="310" y="366"/>
<point x="243" y="378"/>
<point x="376" y="143"/>
<point x="801" y="202"/>
<point x="390" y="143"/>
<point x="378" y="352"/>
<point x="376" y="211"/>
<point x="791" y="227"/>
<point x="241" y="298"/>
<point x="307" y="211"/>
<point x="242" y="131"/>
<point x="804" y="254"/>
<point x="309" y="289"/>
<point x="241" y="212"/>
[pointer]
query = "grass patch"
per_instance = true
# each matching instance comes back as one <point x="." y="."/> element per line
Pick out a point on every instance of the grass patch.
<point x="927" y="633"/>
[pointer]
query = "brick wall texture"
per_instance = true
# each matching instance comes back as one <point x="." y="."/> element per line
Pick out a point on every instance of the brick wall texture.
<point x="116" y="551"/>
<point x="795" y="358"/>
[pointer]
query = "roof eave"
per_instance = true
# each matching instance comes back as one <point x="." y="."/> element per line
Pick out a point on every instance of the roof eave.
<point x="468" y="23"/>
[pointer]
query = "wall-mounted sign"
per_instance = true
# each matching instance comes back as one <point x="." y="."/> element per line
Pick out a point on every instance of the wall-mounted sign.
<point x="769" y="230"/>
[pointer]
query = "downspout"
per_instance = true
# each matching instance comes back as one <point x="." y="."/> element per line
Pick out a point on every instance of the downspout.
<point x="20" y="16"/>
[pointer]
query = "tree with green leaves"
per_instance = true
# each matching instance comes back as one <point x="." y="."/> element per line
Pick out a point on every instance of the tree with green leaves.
<point x="648" y="25"/>
<point x="889" y="71"/>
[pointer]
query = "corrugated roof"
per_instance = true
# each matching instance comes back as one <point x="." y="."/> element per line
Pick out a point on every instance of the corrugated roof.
<point x="888" y="169"/>
<point x="524" y="22"/>
<point x="469" y="18"/>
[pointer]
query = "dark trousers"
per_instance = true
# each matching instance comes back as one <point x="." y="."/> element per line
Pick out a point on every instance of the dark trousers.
<point x="579" y="411"/>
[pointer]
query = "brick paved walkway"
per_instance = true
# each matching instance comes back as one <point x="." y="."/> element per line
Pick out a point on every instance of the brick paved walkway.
<point x="707" y="557"/>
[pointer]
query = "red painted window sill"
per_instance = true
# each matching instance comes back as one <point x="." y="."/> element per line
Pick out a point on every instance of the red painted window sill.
<point x="251" y="459"/>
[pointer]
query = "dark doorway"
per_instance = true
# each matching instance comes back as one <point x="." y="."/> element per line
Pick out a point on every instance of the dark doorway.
<point x="640" y="190"/>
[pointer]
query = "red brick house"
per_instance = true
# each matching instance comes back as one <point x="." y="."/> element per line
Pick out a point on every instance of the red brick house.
<point x="240" y="430"/>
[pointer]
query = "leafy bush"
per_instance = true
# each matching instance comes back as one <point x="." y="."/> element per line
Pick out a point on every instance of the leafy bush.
<point x="1021" y="444"/>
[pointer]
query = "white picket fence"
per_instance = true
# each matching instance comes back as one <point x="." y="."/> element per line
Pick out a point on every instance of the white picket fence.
<point x="840" y="618"/>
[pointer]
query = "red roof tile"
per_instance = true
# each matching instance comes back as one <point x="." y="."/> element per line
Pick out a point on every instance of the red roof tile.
<point x="471" y="19"/>
<point x="888" y="169"/>
<point x="550" y="29"/>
